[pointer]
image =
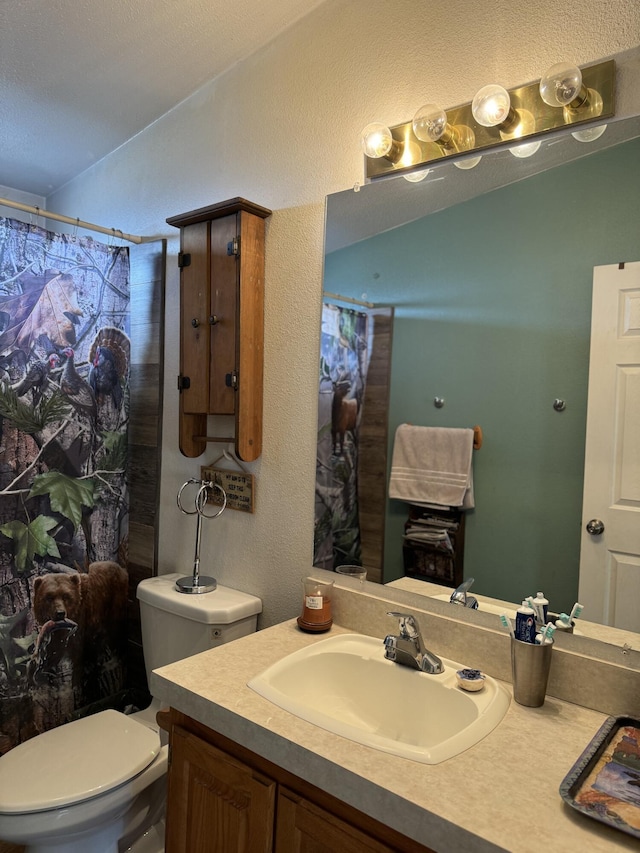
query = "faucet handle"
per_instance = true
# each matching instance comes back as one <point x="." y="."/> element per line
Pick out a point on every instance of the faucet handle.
<point x="407" y="624"/>
<point x="459" y="595"/>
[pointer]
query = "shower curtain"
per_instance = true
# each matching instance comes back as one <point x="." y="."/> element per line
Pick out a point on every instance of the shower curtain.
<point x="344" y="356"/>
<point x="64" y="403"/>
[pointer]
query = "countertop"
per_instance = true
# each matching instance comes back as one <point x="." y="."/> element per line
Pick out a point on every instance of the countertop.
<point x="502" y="794"/>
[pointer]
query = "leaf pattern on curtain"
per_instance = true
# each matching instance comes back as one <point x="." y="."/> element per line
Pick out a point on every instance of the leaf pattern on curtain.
<point x="343" y="371"/>
<point x="64" y="409"/>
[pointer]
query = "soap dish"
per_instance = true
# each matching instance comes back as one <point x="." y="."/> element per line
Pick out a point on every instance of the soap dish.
<point x="470" y="679"/>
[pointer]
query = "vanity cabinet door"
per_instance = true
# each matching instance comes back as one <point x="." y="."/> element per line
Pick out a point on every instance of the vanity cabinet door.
<point x="216" y="804"/>
<point x="303" y="827"/>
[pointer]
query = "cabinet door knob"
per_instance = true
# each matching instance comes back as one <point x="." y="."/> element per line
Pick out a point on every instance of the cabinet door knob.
<point x="195" y="322"/>
<point x="214" y="320"/>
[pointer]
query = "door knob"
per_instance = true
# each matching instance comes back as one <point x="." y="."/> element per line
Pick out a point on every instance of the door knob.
<point x="595" y="527"/>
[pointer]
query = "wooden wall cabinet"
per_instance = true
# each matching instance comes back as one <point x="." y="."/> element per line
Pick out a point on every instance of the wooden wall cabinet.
<point x="223" y="798"/>
<point x="221" y="323"/>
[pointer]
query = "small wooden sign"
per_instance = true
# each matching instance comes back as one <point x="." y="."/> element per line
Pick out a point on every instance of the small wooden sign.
<point x="238" y="486"/>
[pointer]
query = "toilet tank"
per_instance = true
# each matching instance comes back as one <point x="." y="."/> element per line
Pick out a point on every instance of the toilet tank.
<point x="176" y="625"/>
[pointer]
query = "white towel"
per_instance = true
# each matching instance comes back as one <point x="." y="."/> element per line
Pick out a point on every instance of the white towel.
<point x="431" y="466"/>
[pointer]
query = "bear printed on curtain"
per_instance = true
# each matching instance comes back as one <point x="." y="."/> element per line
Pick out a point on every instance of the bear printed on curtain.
<point x="343" y="370"/>
<point x="64" y="403"/>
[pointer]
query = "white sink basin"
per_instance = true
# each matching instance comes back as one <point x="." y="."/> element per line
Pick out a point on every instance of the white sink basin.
<point x="345" y="685"/>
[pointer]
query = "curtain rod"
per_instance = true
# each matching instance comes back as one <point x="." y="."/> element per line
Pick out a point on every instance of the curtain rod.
<point x="79" y="223"/>
<point x="348" y="299"/>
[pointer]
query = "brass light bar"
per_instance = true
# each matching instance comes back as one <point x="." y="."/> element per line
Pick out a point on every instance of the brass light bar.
<point x="418" y="154"/>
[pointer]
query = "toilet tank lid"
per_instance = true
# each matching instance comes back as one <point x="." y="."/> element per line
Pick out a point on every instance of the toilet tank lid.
<point x="75" y="762"/>
<point x="223" y="606"/>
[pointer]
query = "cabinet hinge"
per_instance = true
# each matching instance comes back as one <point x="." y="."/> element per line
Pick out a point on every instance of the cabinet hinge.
<point x="233" y="247"/>
<point x="231" y="380"/>
<point x="184" y="259"/>
<point x="184" y="383"/>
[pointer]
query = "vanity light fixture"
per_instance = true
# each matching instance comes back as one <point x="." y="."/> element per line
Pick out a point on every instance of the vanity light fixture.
<point x="495" y="117"/>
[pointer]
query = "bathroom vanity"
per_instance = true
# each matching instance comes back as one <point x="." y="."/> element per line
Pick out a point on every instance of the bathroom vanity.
<point x="218" y="789"/>
<point x="255" y="777"/>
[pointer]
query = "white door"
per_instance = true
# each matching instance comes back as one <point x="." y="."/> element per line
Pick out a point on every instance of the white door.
<point x="610" y="561"/>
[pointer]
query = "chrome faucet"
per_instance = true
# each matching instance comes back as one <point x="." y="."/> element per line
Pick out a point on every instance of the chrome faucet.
<point x="408" y="647"/>
<point x="459" y="595"/>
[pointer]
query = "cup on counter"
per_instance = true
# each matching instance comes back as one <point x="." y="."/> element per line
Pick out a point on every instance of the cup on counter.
<point x="358" y="573"/>
<point x="530" y="665"/>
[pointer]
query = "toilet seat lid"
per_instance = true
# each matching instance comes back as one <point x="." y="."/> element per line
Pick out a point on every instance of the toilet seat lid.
<point x="75" y="762"/>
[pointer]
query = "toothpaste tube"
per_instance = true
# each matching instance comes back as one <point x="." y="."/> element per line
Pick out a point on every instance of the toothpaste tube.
<point x="525" y="629"/>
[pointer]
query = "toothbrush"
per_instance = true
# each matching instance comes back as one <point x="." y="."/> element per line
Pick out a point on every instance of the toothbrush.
<point x="547" y="633"/>
<point x="575" y="611"/>
<point x="535" y="607"/>
<point x="506" y="623"/>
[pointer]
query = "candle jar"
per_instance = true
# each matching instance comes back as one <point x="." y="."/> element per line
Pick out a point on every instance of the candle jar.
<point x="316" y="605"/>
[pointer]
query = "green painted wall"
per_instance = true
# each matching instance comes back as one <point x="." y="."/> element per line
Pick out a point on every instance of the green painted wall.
<point x="493" y="312"/>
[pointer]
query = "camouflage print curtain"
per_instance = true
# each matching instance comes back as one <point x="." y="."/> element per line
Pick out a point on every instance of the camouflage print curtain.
<point x="64" y="402"/>
<point x="343" y="371"/>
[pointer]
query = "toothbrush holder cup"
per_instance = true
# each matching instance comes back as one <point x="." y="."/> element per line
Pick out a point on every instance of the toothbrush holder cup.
<point x="530" y="666"/>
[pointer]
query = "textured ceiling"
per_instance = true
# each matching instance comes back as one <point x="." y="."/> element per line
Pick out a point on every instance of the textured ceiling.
<point x="78" y="78"/>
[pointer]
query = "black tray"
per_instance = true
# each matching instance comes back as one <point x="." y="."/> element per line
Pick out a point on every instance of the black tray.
<point x="604" y="783"/>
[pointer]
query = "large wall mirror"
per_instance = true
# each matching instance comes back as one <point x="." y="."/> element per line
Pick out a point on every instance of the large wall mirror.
<point x="489" y="271"/>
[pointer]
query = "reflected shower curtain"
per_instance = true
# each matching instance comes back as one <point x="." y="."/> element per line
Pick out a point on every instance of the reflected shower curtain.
<point x="64" y="403"/>
<point x="344" y="356"/>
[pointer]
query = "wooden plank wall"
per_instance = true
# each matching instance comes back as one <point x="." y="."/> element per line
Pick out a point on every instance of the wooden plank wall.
<point x="145" y="434"/>
<point x="372" y="446"/>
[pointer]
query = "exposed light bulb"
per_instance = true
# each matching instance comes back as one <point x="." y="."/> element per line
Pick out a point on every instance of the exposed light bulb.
<point x="590" y="134"/>
<point x="525" y="149"/>
<point x="376" y="140"/>
<point x="491" y="105"/>
<point x="561" y="84"/>
<point x="429" y="123"/>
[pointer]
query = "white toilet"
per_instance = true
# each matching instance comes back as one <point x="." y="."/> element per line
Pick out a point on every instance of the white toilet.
<point x="98" y="784"/>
